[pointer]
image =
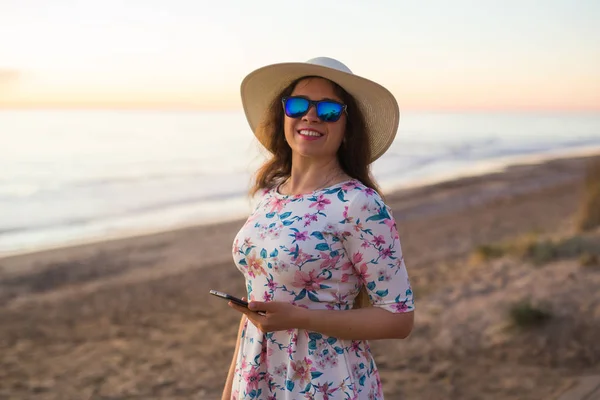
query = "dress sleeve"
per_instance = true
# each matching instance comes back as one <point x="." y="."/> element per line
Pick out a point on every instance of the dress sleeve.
<point x="373" y="247"/>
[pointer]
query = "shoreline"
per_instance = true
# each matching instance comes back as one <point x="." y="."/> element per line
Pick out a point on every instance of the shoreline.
<point x="390" y="190"/>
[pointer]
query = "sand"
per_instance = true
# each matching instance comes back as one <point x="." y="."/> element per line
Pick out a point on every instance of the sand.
<point x="132" y="318"/>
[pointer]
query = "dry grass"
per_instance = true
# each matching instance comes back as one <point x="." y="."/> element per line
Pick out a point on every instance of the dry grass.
<point x="589" y="260"/>
<point x="525" y="314"/>
<point x="589" y="212"/>
<point x="538" y="250"/>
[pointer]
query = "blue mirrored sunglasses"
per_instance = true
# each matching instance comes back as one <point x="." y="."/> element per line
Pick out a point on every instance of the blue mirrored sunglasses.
<point x="327" y="110"/>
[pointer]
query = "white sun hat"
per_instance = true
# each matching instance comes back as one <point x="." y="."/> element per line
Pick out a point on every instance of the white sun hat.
<point x="377" y="104"/>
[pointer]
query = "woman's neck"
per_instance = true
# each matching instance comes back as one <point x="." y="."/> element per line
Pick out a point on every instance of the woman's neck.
<point x="307" y="178"/>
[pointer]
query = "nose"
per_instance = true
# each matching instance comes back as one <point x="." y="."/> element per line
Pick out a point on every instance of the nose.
<point x="311" y="115"/>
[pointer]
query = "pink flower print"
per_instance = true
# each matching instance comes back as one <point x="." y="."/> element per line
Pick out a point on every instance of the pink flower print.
<point x="356" y="259"/>
<point x="277" y="204"/>
<point x="301" y="236"/>
<point x="252" y="377"/>
<point x="356" y="372"/>
<point x="385" y="253"/>
<point x="365" y="244"/>
<point x="355" y="345"/>
<point x="348" y="186"/>
<point x="378" y="240"/>
<point x="308" y="218"/>
<point x="255" y="265"/>
<point x="346" y="266"/>
<point x="280" y="370"/>
<point x="334" y="361"/>
<point x="327" y="261"/>
<point x="326" y="390"/>
<point x="390" y="223"/>
<point x="303" y="257"/>
<point x="265" y="352"/>
<point x="329" y="228"/>
<point x="247" y="242"/>
<point x="281" y="266"/>
<point x="369" y="191"/>
<point x="308" y="281"/>
<point x="271" y="284"/>
<point x="347" y="219"/>
<point x="400" y="307"/>
<point x="383" y="276"/>
<point x="358" y="227"/>
<point x="301" y="371"/>
<point x="321" y="202"/>
<point x="362" y="273"/>
<point x="267" y="296"/>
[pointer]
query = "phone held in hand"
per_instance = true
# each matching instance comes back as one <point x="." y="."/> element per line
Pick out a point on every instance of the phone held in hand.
<point x="229" y="297"/>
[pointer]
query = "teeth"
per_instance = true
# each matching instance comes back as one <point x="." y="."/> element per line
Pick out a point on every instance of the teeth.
<point x="309" y="133"/>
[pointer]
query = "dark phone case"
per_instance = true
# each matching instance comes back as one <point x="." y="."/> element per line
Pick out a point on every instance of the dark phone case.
<point x="229" y="297"/>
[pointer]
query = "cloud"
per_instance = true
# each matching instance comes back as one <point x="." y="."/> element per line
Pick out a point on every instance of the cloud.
<point x="9" y="78"/>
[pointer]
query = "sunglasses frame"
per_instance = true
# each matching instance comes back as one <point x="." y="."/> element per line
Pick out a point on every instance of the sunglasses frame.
<point x="314" y="103"/>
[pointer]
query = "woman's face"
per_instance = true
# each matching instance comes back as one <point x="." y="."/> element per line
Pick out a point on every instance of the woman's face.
<point x="308" y="136"/>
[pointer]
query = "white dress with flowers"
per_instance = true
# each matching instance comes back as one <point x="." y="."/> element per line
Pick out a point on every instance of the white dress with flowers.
<point x="316" y="251"/>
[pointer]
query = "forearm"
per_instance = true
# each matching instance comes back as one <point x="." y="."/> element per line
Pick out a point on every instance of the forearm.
<point x="370" y="323"/>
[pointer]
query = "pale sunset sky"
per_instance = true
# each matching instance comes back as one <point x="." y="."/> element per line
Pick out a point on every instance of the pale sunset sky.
<point x="436" y="54"/>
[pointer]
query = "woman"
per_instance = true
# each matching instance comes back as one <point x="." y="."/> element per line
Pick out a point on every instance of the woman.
<point x="320" y="253"/>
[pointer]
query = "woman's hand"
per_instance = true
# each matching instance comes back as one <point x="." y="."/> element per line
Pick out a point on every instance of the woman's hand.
<point x="272" y="316"/>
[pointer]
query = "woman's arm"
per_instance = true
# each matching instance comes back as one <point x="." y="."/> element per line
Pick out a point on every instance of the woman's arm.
<point x="229" y="382"/>
<point x="370" y="323"/>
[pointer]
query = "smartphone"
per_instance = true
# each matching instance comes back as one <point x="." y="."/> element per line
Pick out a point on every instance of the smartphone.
<point x="229" y="297"/>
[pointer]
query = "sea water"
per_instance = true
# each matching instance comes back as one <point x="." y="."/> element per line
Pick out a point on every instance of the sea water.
<point x="74" y="176"/>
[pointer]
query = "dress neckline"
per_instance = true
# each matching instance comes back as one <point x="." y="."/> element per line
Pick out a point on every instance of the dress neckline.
<point x="278" y="194"/>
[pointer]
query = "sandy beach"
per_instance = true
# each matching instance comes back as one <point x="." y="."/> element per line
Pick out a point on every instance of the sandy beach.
<point x="132" y="318"/>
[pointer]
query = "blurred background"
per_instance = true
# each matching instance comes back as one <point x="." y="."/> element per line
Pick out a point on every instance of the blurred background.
<point x="124" y="118"/>
<point x="129" y="113"/>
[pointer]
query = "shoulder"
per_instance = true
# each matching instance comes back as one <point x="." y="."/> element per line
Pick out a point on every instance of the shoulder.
<point x="358" y="195"/>
<point x="260" y="197"/>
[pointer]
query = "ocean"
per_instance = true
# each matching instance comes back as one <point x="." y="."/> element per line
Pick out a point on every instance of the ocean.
<point x="74" y="176"/>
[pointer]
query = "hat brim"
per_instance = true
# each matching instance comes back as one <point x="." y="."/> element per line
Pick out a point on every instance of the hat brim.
<point x="378" y="106"/>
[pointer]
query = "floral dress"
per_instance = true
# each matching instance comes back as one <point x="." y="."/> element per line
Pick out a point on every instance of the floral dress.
<point x="316" y="251"/>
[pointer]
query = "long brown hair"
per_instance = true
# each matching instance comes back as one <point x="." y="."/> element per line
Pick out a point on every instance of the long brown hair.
<point x="354" y="154"/>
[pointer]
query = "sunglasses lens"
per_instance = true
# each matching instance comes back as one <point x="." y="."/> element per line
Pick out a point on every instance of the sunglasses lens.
<point x="329" y="111"/>
<point x="296" y="107"/>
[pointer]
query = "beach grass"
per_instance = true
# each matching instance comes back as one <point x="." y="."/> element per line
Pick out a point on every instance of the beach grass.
<point x="538" y="250"/>
<point x="525" y="314"/>
<point x="588" y="217"/>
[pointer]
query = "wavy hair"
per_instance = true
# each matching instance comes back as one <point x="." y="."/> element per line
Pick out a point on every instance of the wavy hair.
<point x="354" y="154"/>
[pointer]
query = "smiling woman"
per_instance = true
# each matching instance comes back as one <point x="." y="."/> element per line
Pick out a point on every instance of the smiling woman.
<point x="320" y="253"/>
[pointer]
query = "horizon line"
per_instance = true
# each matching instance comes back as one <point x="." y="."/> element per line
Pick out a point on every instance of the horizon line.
<point x="193" y="108"/>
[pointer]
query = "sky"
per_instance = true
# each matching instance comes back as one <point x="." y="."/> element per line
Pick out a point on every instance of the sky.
<point x="435" y="54"/>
